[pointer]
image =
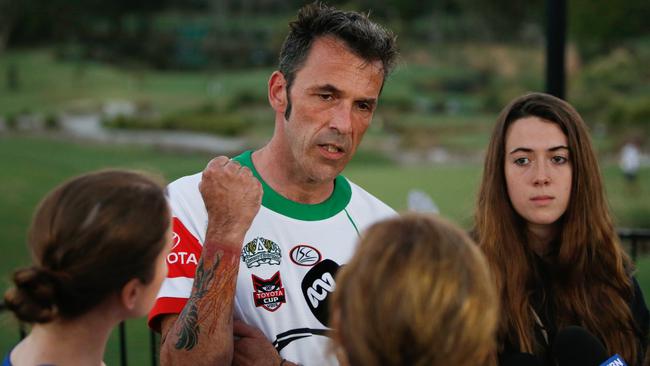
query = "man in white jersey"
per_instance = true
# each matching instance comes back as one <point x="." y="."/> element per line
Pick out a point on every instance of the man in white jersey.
<point x="249" y="284"/>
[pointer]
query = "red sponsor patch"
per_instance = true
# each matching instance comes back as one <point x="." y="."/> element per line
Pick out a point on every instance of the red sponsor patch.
<point x="268" y="293"/>
<point x="184" y="256"/>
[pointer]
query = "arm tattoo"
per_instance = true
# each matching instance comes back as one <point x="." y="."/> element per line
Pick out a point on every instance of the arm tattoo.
<point x="188" y="335"/>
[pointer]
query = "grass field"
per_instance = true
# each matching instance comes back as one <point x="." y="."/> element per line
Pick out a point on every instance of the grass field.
<point x="50" y="86"/>
<point x="29" y="167"/>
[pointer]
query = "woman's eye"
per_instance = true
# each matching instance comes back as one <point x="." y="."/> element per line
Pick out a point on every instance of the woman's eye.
<point x="522" y="161"/>
<point x="559" y="159"/>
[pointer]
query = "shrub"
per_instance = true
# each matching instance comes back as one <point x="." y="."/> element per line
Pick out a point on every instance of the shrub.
<point x="11" y="122"/>
<point x="220" y="124"/>
<point x="52" y="122"/>
<point x="630" y="112"/>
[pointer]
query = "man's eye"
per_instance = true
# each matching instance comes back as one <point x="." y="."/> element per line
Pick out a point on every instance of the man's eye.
<point x="326" y="96"/>
<point x="522" y="161"/>
<point x="364" y="106"/>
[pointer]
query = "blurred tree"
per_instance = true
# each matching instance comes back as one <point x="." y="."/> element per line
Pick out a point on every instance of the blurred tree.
<point x="408" y="10"/>
<point x="600" y="25"/>
<point x="7" y="18"/>
<point x="25" y="22"/>
<point x="505" y="19"/>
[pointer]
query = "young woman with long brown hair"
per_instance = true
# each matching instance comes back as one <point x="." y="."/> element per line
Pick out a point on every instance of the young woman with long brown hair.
<point x="98" y="244"/>
<point x="544" y="225"/>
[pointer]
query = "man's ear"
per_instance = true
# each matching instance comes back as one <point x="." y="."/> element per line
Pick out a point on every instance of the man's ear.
<point x="278" y="92"/>
<point x="129" y="294"/>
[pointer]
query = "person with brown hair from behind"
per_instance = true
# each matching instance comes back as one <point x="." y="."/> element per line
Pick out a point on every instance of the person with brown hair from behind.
<point x="98" y="245"/>
<point x="417" y="292"/>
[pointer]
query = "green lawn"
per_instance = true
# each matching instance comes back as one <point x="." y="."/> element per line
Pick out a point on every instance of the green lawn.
<point x="50" y="86"/>
<point x="29" y="167"/>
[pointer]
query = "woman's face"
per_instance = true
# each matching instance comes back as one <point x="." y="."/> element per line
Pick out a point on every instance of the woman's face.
<point x="538" y="170"/>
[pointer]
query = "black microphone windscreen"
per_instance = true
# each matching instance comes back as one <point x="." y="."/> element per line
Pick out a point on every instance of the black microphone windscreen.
<point x="317" y="286"/>
<point x="578" y="347"/>
<point x="519" y="359"/>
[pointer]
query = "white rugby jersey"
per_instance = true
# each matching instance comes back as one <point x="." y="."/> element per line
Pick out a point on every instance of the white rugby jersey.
<point x="288" y="261"/>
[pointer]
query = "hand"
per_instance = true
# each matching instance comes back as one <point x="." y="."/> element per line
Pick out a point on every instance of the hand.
<point x="252" y="347"/>
<point x="232" y="197"/>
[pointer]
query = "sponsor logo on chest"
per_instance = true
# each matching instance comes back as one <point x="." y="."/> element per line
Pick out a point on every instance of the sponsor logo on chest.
<point x="304" y="255"/>
<point x="268" y="294"/>
<point x="180" y="257"/>
<point x="261" y="251"/>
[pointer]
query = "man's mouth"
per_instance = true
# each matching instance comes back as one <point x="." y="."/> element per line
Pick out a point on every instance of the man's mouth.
<point x="332" y="148"/>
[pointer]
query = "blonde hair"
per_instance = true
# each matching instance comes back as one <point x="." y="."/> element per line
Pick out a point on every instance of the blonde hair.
<point x="417" y="292"/>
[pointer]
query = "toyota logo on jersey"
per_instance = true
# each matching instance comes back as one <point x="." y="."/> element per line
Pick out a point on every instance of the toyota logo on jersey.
<point x="176" y="239"/>
<point x="185" y="253"/>
<point x="268" y="293"/>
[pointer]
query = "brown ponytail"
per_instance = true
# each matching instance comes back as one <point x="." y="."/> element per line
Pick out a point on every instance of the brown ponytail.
<point x="88" y="238"/>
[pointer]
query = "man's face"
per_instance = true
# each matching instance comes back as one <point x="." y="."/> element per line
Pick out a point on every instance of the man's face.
<point x="333" y="98"/>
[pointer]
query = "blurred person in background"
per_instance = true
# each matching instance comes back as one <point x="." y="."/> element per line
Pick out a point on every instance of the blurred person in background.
<point x="98" y="245"/>
<point x="544" y="225"/>
<point x="630" y="163"/>
<point x="417" y="292"/>
<point x="262" y="235"/>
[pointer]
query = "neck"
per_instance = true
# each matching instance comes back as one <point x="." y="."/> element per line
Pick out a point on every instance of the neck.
<point x="81" y="341"/>
<point x="540" y="238"/>
<point x="286" y="178"/>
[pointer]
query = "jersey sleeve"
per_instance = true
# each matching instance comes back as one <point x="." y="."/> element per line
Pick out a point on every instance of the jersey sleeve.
<point x="181" y="264"/>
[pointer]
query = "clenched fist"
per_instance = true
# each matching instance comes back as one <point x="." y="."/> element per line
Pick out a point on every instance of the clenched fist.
<point x="232" y="197"/>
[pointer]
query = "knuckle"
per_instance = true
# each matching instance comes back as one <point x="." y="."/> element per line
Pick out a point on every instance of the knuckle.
<point x="246" y="171"/>
<point x="219" y="160"/>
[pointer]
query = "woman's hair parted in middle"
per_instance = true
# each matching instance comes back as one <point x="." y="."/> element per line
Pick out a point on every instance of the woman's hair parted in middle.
<point x="593" y="271"/>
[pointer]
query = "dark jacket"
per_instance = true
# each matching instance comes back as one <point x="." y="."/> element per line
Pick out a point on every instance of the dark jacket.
<point x="541" y="301"/>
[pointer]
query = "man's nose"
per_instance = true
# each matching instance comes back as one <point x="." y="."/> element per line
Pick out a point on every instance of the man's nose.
<point x="341" y="119"/>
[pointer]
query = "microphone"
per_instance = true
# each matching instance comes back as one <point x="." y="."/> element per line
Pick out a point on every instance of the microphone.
<point x="576" y="346"/>
<point x="317" y="286"/>
<point x="519" y="359"/>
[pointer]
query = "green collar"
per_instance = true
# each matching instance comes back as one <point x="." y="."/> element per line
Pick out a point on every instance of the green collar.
<point x="275" y="202"/>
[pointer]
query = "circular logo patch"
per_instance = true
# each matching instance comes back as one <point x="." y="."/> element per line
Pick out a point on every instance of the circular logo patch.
<point x="305" y="255"/>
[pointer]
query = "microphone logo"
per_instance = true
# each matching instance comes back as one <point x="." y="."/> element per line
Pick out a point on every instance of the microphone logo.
<point x="319" y="290"/>
<point x="615" y="360"/>
<point x="317" y="286"/>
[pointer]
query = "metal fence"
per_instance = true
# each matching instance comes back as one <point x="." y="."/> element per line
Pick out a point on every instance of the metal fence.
<point x="632" y="237"/>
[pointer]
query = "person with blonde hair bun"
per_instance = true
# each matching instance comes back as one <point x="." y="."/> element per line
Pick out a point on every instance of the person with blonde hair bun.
<point x="417" y="292"/>
<point x="98" y="244"/>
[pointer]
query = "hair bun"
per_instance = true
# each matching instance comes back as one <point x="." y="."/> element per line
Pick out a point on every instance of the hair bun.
<point x="33" y="297"/>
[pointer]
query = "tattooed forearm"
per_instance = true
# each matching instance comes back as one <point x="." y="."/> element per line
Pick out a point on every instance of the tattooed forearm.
<point x="188" y="334"/>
